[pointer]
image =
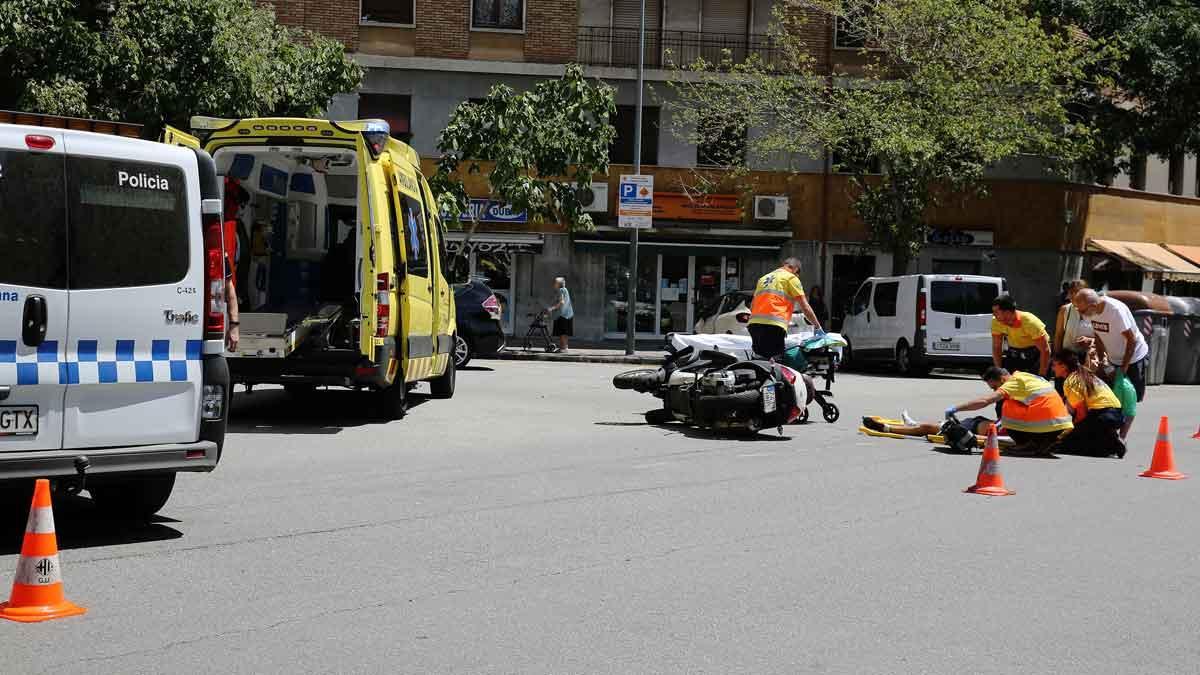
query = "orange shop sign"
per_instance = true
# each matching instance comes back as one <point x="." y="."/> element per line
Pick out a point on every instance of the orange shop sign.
<point x="713" y="208"/>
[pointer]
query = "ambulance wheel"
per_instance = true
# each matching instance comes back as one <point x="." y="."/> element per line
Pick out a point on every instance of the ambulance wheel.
<point x="133" y="499"/>
<point x="443" y="386"/>
<point x="393" y="401"/>
<point x="831" y="413"/>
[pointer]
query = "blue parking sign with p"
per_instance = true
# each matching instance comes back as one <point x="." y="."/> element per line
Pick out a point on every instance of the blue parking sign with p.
<point x="628" y="190"/>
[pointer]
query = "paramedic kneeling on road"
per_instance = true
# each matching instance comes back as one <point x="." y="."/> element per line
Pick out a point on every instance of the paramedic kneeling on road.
<point x="771" y="310"/>
<point x="1032" y="412"/>
<point x="1028" y="342"/>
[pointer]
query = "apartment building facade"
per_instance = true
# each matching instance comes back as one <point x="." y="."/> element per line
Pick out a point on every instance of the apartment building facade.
<point x="424" y="58"/>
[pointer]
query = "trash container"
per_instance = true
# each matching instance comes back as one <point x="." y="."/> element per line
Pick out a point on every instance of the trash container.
<point x="1153" y="315"/>
<point x="1183" y="350"/>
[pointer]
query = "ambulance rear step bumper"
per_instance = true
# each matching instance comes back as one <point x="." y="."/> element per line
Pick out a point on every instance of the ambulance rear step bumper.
<point x="168" y="457"/>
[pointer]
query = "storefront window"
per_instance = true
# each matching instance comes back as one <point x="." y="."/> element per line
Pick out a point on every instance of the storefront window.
<point x="616" y="293"/>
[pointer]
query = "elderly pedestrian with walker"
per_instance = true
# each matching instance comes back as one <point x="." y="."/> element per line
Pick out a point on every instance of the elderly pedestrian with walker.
<point x="564" y="323"/>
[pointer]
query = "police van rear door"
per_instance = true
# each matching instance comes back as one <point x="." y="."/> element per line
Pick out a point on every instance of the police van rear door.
<point x="137" y="295"/>
<point x="33" y="288"/>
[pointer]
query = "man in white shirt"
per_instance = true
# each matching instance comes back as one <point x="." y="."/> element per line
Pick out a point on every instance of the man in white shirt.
<point x="1117" y="335"/>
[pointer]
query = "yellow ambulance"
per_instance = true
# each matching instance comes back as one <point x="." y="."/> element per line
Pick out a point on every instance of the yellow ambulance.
<point x="337" y="254"/>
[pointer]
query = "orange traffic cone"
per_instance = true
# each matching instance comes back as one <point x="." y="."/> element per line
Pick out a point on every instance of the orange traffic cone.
<point x="1163" y="464"/>
<point x="37" y="592"/>
<point x="990" y="482"/>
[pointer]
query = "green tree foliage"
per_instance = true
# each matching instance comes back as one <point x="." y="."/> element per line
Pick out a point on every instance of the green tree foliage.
<point x="947" y="89"/>
<point x="157" y="62"/>
<point x="546" y="144"/>
<point x="1153" y="104"/>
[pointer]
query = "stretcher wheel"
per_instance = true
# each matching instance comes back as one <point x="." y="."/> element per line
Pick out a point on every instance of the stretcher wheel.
<point x="803" y="418"/>
<point x="831" y="413"/>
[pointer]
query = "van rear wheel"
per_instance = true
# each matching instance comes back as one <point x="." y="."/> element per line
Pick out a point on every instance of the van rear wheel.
<point x="443" y="386"/>
<point x="393" y="401"/>
<point x="907" y="362"/>
<point x="134" y="499"/>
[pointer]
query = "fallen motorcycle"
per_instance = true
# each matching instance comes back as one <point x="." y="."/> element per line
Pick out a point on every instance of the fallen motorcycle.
<point x="718" y="391"/>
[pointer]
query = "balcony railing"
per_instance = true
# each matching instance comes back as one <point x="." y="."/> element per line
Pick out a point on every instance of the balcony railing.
<point x="605" y="46"/>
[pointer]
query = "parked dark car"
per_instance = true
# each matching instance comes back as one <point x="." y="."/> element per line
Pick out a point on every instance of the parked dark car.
<point x="478" y="312"/>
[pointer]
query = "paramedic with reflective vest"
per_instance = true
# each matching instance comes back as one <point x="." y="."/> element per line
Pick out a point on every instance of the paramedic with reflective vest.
<point x="771" y="311"/>
<point x="1032" y="412"/>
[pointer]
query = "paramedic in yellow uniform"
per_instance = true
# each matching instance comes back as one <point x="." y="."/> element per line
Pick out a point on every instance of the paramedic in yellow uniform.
<point x="771" y="310"/>
<point x="1032" y="412"/>
<point x="1028" y="341"/>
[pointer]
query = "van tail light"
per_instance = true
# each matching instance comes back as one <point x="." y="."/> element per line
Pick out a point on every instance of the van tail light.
<point x="492" y="307"/>
<point x="920" y="310"/>
<point x="214" y="278"/>
<point x="383" y="306"/>
<point x="742" y="317"/>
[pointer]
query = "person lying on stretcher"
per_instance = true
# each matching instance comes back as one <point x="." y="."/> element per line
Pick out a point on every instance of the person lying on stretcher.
<point x="1032" y="413"/>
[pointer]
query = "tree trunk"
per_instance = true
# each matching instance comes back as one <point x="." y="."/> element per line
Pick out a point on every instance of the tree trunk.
<point x="900" y="263"/>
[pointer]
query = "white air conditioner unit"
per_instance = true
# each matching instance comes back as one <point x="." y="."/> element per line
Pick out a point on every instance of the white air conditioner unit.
<point x="770" y="207"/>
<point x="595" y="198"/>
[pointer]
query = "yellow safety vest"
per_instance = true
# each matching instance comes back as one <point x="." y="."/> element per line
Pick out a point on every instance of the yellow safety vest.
<point x="774" y="296"/>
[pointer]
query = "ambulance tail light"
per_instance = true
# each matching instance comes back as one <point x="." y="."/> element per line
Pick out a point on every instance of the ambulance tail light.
<point x="920" y="310"/>
<point x="383" y="308"/>
<point x="214" y="278"/>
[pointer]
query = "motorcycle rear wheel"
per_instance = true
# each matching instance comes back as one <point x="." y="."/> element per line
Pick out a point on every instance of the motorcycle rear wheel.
<point x="640" y="379"/>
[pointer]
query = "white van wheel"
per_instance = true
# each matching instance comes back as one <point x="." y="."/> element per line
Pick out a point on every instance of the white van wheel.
<point x="134" y="499"/>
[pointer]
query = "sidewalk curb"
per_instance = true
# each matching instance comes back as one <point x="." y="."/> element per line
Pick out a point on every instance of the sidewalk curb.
<point x="578" y="358"/>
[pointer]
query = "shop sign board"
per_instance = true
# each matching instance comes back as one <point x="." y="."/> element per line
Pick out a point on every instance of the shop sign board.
<point x="491" y="211"/>
<point x="961" y="238"/>
<point x="700" y="208"/>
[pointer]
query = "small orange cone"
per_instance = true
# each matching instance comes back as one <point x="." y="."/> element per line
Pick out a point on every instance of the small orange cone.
<point x="990" y="482"/>
<point x="1163" y="464"/>
<point x="37" y="592"/>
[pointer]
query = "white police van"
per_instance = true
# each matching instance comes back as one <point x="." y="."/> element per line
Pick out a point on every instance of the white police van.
<point x="112" y="313"/>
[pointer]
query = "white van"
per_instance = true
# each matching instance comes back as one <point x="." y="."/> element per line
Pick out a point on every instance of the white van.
<point x="112" y="314"/>
<point x="922" y="321"/>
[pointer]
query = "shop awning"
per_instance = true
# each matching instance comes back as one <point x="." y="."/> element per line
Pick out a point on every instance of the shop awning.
<point x="1150" y="257"/>
<point x="1190" y="253"/>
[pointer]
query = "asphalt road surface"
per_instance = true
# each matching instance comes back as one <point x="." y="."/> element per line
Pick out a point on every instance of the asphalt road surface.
<point x="535" y="524"/>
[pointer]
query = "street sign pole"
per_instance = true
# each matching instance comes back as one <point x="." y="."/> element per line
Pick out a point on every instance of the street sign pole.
<point x="631" y="296"/>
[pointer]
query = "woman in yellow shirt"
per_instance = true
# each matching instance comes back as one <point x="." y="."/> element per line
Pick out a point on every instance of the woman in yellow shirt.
<point x="1095" y="408"/>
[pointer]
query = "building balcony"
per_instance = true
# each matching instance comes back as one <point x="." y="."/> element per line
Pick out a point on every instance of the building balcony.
<point x="618" y="47"/>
